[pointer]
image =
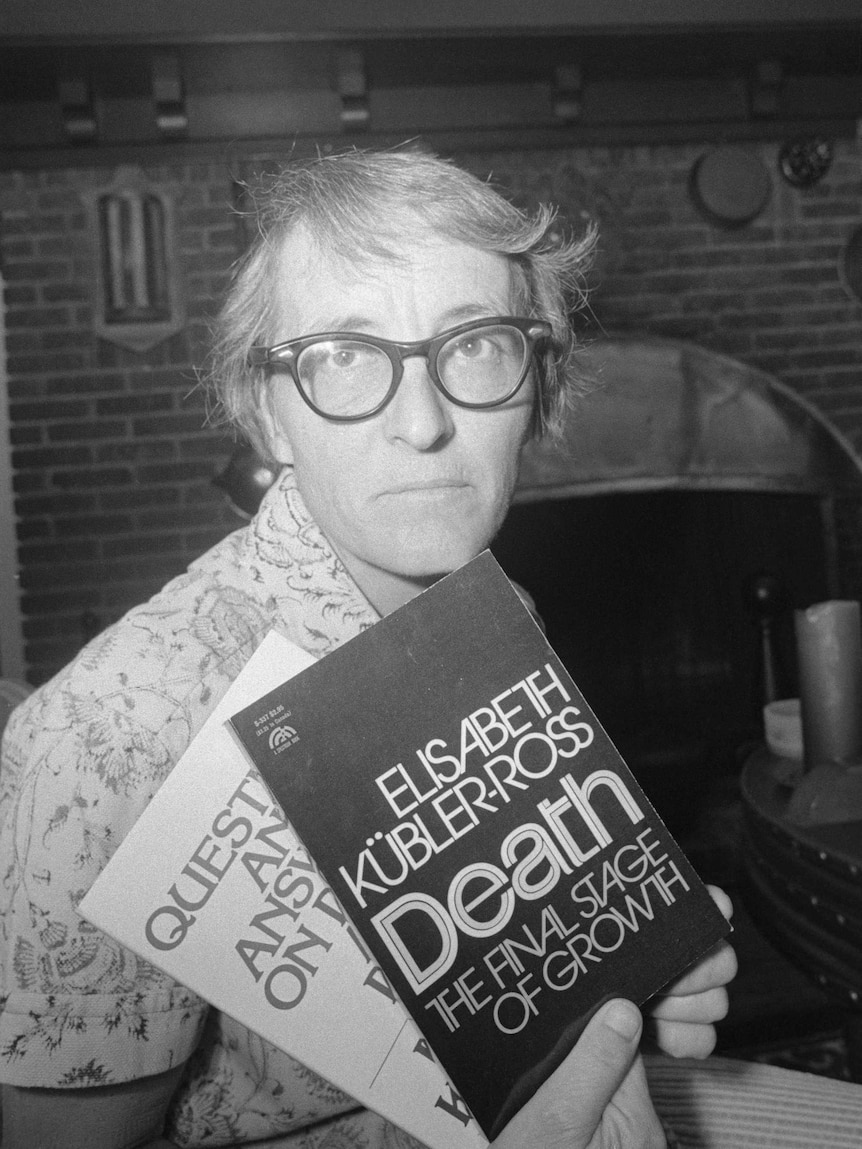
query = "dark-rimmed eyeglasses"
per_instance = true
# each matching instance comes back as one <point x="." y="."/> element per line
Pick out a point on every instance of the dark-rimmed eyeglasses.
<point x="345" y="376"/>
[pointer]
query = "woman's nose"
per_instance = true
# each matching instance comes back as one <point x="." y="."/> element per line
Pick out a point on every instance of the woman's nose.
<point x="419" y="414"/>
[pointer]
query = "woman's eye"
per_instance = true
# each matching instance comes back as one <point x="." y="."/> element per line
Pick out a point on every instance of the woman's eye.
<point x="344" y="358"/>
<point x="473" y="346"/>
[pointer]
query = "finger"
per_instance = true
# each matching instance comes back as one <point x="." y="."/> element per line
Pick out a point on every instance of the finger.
<point x="709" y="1006"/>
<point x="716" y="968"/>
<point x="722" y="901"/>
<point x="569" y="1106"/>
<point x="682" y="1039"/>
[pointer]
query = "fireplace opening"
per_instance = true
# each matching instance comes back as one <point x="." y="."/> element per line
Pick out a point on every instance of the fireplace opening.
<point x="650" y="601"/>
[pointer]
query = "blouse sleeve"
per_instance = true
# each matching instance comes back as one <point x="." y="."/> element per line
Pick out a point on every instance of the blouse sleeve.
<point x="76" y="1008"/>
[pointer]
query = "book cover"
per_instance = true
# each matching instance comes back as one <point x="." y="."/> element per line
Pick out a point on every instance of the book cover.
<point x="482" y="832"/>
<point x="213" y="886"/>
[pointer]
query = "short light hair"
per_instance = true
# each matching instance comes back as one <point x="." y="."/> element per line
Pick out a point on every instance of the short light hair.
<point x="363" y="205"/>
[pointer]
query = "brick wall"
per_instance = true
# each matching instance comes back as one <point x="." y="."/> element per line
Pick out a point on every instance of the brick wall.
<point x="113" y="463"/>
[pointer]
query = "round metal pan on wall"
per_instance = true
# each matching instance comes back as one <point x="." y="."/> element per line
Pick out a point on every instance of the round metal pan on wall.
<point x="730" y="185"/>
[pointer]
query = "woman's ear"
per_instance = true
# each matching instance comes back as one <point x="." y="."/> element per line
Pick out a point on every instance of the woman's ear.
<point x="275" y="433"/>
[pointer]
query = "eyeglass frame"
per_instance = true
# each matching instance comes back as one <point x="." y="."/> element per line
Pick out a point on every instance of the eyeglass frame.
<point x="287" y="355"/>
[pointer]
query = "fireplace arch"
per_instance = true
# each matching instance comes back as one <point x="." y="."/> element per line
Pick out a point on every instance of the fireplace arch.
<point x="664" y="414"/>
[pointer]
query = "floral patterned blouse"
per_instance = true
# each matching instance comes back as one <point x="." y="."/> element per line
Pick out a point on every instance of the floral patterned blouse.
<point x="82" y="757"/>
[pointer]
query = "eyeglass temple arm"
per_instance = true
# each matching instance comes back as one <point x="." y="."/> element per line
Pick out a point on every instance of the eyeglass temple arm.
<point x="264" y="356"/>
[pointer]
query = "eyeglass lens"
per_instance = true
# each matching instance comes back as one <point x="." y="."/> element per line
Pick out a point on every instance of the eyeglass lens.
<point x="346" y="377"/>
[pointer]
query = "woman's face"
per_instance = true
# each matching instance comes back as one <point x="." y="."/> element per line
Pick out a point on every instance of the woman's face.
<point x="420" y="488"/>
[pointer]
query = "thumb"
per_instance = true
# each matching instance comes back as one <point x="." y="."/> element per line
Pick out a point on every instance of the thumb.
<point x="600" y="1061"/>
<point x="569" y="1106"/>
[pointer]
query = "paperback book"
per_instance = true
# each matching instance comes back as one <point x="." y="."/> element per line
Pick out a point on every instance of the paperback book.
<point x="479" y="830"/>
<point x="213" y="886"/>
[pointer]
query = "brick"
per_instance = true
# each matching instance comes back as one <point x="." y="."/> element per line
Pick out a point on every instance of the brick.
<point x="809" y="230"/>
<point x="122" y="596"/>
<point x="141" y="544"/>
<point x="45" y="409"/>
<point x="57" y="624"/>
<point x="786" y="297"/>
<point x="174" y="472"/>
<point x="842" y="209"/>
<point x="134" y="451"/>
<point x="33" y="529"/>
<point x="41" y="223"/>
<point x="20" y="342"/>
<point x="65" y="293"/>
<point x="55" y="247"/>
<point x="73" y="432"/>
<point x="131" y="499"/>
<point x="203" y="217"/>
<point x="813" y="316"/>
<point x="773" y="339"/>
<point x="173" y="424"/>
<point x="92" y="477"/>
<point x="194" y="400"/>
<point x="25" y="436"/>
<point x="45" y="457"/>
<point x="33" y="271"/>
<point x="203" y="308"/>
<point x="158" y="379"/>
<point x="165" y="518"/>
<point x="133" y="404"/>
<point x="207" y="262"/>
<point x="55" y="503"/>
<point x="46" y="362"/>
<point x="211" y="444"/>
<point x="94" y="526"/>
<point x="222" y="238"/>
<point x="19" y="296"/>
<point x="26" y="481"/>
<point x="70" y="551"/>
<point x="108" y="354"/>
<point x="827" y="357"/>
<point x="59" y="602"/>
<point x="86" y="384"/>
<point x="67" y="339"/>
<point x="18" y="249"/>
<point x="61" y="574"/>
<point x="64" y="199"/>
<point x="678" y="327"/>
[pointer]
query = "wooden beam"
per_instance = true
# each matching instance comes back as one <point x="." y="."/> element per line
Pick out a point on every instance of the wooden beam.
<point x="235" y="152"/>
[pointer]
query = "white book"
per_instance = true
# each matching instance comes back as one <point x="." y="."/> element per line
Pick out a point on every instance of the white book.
<point x="204" y="886"/>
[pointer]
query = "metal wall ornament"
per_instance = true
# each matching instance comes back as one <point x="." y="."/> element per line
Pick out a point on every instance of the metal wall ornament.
<point x="139" y="298"/>
<point x="804" y="162"/>
<point x="730" y="185"/>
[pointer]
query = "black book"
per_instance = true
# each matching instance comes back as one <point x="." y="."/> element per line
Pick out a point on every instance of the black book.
<point x="480" y="828"/>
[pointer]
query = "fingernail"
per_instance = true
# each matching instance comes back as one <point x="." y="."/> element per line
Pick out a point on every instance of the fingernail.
<point x="623" y="1018"/>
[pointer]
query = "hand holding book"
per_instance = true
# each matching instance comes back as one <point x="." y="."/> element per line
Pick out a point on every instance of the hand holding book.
<point x="492" y="849"/>
<point x="598" y="1098"/>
